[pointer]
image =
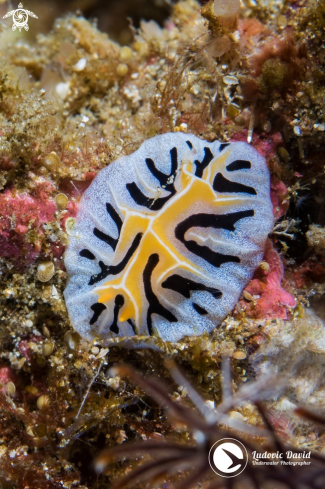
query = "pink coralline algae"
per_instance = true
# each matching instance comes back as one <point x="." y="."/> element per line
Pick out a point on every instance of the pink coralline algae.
<point x="265" y="143"/>
<point x="23" y="238"/>
<point x="74" y="190"/>
<point x="72" y="210"/>
<point x="269" y="299"/>
<point x="25" y="346"/>
<point x="7" y="374"/>
<point x="21" y="223"/>
<point x="278" y="197"/>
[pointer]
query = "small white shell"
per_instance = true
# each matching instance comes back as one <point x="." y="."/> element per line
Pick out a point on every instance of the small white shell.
<point x="52" y="161"/>
<point x="72" y="339"/>
<point x="230" y="80"/>
<point x="10" y="388"/>
<point x="45" y="271"/>
<point x="70" y="225"/>
<point x="81" y="65"/>
<point x="63" y="90"/>
<point x="47" y="348"/>
<point x="43" y="402"/>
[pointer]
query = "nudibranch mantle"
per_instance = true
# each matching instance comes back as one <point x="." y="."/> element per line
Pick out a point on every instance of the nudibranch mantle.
<point x="167" y="238"/>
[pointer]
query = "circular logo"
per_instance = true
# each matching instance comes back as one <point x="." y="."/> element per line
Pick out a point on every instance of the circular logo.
<point x="20" y="17"/>
<point x="228" y="457"/>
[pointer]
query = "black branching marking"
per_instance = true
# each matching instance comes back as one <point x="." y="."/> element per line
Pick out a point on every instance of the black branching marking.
<point x="94" y="279"/>
<point x="119" y="301"/>
<point x="106" y="238"/>
<point x="87" y="254"/>
<point x="98" y="309"/>
<point x="162" y="177"/>
<point x="239" y="165"/>
<point x="141" y="199"/>
<point x="166" y="181"/>
<point x="154" y="305"/>
<point x="201" y="165"/>
<point x="189" y="144"/>
<point x="222" y="185"/>
<point x="114" y="215"/>
<point x="184" y="286"/>
<point x="223" y="146"/>
<point x="224" y="221"/>
<point x="112" y="242"/>
<point x="116" y="269"/>
<point x="199" y="309"/>
<point x="132" y="324"/>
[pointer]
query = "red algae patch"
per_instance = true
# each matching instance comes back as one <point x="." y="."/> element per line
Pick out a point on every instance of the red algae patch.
<point x="21" y="232"/>
<point x="7" y="375"/>
<point x="267" y="298"/>
<point x="279" y="198"/>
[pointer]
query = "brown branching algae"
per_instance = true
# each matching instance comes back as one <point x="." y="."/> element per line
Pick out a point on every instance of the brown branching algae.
<point x="73" y="100"/>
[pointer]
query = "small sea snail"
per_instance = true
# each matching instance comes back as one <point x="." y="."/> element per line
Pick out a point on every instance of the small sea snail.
<point x="52" y="161"/>
<point x="45" y="271"/>
<point x="61" y="201"/>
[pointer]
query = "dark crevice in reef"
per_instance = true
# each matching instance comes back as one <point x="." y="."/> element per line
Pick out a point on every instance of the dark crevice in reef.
<point x="304" y="210"/>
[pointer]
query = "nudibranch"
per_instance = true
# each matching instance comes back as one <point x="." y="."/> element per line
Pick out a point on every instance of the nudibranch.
<point x="167" y="238"/>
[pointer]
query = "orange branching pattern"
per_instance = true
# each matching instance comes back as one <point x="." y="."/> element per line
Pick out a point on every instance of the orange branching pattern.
<point x="155" y="229"/>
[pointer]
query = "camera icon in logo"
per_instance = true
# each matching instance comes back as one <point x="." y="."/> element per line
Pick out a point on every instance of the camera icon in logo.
<point x="228" y="457"/>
